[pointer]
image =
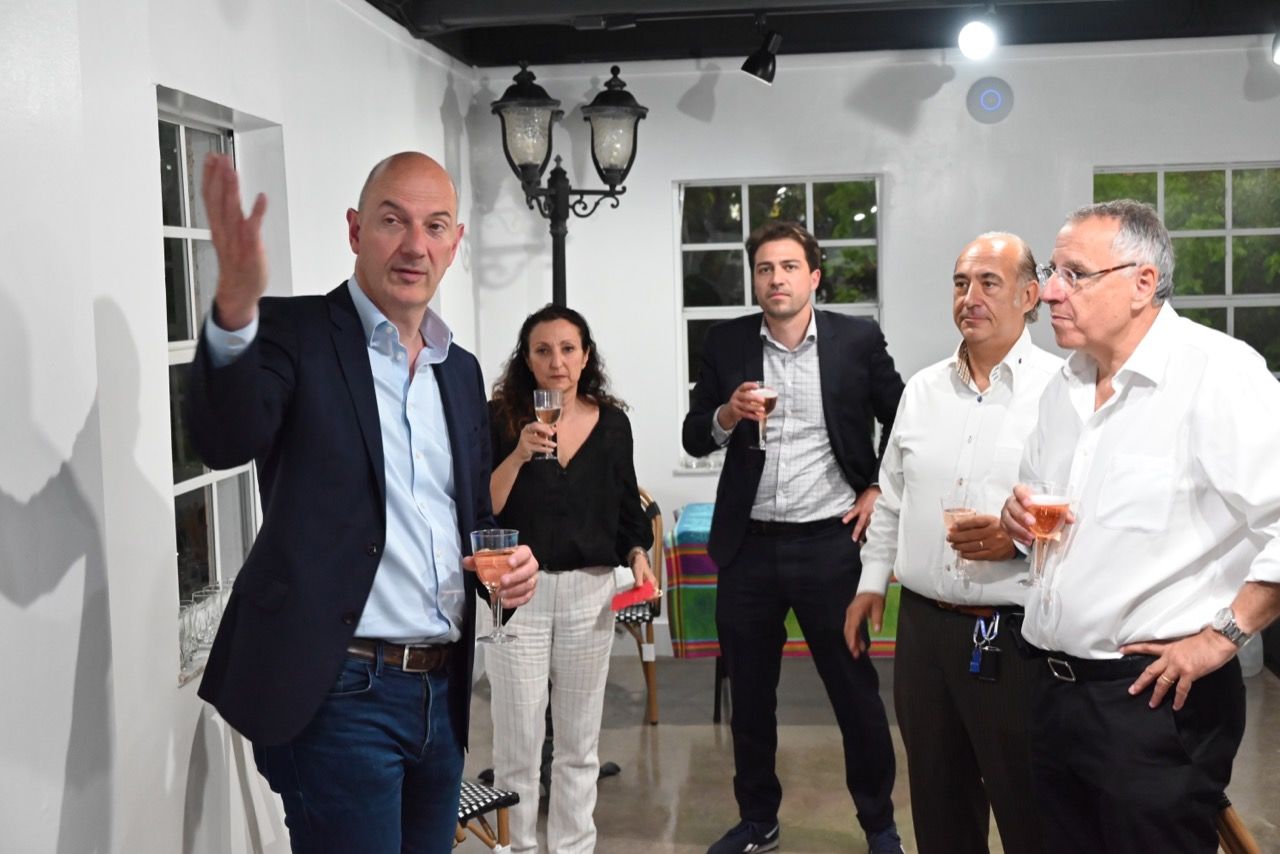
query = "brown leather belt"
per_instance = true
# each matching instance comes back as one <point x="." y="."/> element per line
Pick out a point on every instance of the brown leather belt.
<point x="986" y="612"/>
<point x="423" y="658"/>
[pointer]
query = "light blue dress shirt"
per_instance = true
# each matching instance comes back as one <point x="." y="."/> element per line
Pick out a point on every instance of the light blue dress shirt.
<point x="418" y="592"/>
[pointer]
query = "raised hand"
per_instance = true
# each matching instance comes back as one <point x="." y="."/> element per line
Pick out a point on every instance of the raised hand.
<point x="237" y="240"/>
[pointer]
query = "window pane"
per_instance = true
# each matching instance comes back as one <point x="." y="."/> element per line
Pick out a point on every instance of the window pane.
<point x="170" y="175"/>
<point x="186" y="464"/>
<point x="235" y="523"/>
<point x="848" y="275"/>
<point x="1260" y="329"/>
<point x="1255" y="198"/>
<point x="713" y="278"/>
<point x="199" y="145"/>
<point x="1255" y="265"/>
<point x="775" y="201"/>
<point x="844" y="211"/>
<point x="1200" y="266"/>
<point x="1140" y="186"/>
<point x="696" y="333"/>
<point x="712" y="215"/>
<point x="175" y="290"/>
<point x="1214" y="318"/>
<point x="204" y="270"/>
<point x="191" y="523"/>
<point x="1195" y="200"/>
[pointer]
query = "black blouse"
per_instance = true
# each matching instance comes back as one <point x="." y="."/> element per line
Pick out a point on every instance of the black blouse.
<point x="584" y="514"/>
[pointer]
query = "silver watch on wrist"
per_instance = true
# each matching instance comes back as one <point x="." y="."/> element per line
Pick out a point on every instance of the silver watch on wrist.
<point x="1224" y="623"/>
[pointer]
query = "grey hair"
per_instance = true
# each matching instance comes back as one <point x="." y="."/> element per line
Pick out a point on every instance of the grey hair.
<point x="1026" y="268"/>
<point x="1142" y="237"/>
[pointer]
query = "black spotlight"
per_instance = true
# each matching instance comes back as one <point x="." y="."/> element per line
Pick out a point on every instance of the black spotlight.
<point x="763" y="64"/>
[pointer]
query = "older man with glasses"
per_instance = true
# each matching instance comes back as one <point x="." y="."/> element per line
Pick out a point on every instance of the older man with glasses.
<point x="1161" y="434"/>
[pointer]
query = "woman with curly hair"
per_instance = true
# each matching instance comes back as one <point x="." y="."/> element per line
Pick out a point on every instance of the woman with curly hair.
<point x="580" y="513"/>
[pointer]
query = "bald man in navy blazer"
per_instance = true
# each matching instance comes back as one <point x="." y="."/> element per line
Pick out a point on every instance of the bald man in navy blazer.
<point x="788" y="520"/>
<point x="345" y="651"/>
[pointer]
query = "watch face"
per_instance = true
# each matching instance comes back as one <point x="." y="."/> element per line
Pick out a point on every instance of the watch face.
<point x="1222" y="619"/>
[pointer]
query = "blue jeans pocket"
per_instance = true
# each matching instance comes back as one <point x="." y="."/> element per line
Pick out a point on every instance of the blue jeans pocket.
<point x="355" y="677"/>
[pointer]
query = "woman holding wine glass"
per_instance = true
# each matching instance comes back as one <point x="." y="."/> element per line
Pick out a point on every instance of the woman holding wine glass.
<point x="578" y="508"/>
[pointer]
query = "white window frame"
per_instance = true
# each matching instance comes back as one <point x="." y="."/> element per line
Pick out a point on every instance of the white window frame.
<point x="1226" y="300"/>
<point x="685" y="383"/>
<point x="182" y="352"/>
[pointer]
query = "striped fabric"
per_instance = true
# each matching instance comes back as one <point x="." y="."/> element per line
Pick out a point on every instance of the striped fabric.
<point x="691" y="594"/>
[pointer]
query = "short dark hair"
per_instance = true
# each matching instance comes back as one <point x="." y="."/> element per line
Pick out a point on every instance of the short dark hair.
<point x="781" y="229"/>
<point x="513" y="392"/>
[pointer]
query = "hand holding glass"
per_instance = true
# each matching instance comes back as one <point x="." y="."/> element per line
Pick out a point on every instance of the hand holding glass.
<point x="546" y="408"/>
<point x="1049" y="507"/>
<point x="491" y="547"/>
<point x="955" y="507"/>
<point x="769" y="399"/>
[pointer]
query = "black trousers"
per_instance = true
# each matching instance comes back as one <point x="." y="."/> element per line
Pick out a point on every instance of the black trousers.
<point x="968" y="749"/>
<point x="817" y="575"/>
<point x="1114" y="775"/>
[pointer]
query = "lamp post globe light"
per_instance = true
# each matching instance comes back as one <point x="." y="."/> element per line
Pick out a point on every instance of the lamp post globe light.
<point x="527" y="113"/>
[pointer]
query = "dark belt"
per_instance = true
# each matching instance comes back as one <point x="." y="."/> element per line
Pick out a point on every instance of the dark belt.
<point x="424" y="658"/>
<point x="986" y="612"/>
<point x="1068" y="668"/>
<point x="792" y="529"/>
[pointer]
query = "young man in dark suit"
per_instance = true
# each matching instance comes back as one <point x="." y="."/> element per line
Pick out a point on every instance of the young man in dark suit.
<point x="345" y="651"/>
<point x="788" y="520"/>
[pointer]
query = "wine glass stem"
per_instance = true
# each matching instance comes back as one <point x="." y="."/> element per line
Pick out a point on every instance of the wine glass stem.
<point x="1039" y="560"/>
<point x="762" y="423"/>
<point x="495" y="603"/>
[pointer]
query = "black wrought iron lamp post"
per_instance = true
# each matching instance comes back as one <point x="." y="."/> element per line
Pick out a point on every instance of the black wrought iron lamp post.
<point x="527" y="113"/>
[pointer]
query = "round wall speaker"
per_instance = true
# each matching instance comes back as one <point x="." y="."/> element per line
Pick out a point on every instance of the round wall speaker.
<point x="990" y="100"/>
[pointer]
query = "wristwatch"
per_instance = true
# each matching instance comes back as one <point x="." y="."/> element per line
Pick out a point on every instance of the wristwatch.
<point x="1224" y="623"/>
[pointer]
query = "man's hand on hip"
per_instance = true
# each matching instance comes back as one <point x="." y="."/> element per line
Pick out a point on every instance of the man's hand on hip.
<point x="1179" y="664"/>
<point x="860" y="513"/>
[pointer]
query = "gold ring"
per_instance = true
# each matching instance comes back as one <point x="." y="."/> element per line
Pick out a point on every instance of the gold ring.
<point x="1166" y="680"/>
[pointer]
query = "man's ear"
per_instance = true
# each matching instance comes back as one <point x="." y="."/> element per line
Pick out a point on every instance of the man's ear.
<point x="353" y="229"/>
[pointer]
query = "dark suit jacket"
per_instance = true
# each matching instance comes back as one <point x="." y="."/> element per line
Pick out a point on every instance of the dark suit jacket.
<point x="300" y="401"/>
<point x="859" y="387"/>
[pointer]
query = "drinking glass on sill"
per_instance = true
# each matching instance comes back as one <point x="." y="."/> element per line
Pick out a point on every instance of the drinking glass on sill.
<point x="491" y="547"/>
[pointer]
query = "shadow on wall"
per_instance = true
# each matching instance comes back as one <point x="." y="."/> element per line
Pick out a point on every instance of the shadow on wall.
<point x="43" y="537"/>
<point x="893" y="96"/>
<point x="1262" y="78"/>
<point x="699" y="102"/>
<point x="453" y="123"/>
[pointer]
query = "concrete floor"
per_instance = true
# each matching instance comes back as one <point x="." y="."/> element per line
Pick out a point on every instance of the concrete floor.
<point x="675" y="795"/>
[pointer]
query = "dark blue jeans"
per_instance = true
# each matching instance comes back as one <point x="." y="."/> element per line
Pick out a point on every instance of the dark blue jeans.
<point x="378" y="769"/>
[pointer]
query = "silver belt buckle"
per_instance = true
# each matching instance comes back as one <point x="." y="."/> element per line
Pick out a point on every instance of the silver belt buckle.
<point x="1061" y="669"/>
<point x="404" y="662"/>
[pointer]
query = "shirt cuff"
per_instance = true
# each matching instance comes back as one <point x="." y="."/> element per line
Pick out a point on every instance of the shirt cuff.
<point x="225" y="347"/>
<point x="719" y="435"/>
<point x="874" y="580"/>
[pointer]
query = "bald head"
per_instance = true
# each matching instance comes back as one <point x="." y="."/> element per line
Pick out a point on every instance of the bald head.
<point x="413" y="164"/>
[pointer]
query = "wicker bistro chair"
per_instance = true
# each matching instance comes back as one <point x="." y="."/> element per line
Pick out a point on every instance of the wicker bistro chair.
<point x="477" y="801"/>
<point x="638" y="619"/>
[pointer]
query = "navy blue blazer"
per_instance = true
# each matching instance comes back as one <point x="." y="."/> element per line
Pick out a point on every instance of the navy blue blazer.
<point x="859" y="387"/>
<point x="300" y="402"/>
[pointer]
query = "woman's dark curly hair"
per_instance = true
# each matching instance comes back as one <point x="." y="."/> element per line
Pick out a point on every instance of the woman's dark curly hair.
<point x="513" y="392"/>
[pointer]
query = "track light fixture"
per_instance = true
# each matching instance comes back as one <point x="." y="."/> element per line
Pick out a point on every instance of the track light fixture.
<point x="978" y="37"/>
<point x="763" y="63"/>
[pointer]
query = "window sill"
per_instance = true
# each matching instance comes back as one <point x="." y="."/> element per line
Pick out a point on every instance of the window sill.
<point x="681" y="471"/>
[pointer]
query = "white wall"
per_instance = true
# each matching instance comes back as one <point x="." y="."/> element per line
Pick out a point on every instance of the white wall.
<point x="100" y="750"/>
<point x="946" y="178"/>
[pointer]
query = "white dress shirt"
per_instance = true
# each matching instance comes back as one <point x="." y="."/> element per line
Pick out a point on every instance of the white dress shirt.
<point x="802" y="480"/>
<point x="1175" y="481"/>
<point x="948" y="435"/>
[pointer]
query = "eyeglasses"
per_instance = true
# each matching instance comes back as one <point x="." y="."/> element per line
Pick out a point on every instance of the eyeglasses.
<point x="1070" y="278"/>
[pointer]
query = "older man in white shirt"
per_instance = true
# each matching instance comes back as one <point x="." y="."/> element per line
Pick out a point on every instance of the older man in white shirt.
<point x="960" y="684"/>
<point x="1162" y="432"/>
